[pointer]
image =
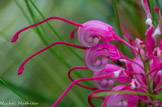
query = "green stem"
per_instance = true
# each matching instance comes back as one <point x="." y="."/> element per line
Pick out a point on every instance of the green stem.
<point x="147" y="78"/>
<point x="41" y="14"/>
<point x="118" y="24"/>
<point x="19" y="95"/>
<point x="22" y="10"/>
<point x="151" y="10"/>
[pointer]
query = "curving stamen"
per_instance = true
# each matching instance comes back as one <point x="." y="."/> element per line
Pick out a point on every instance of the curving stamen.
<point x="91" y="95"/>
<point x="78" y="80"/>
<point x="130" y="60"/>
<point x="127" y="36"/>
<point x="105" y="101"/>
<point x="123" y="41"/>
<point x="79" y="67"/>
<point x="15" y="37"/>
<point x="42" y="50"/>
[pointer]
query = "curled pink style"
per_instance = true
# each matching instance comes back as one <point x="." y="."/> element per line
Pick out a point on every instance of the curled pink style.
<point x="81" y="85"/>
<point x="15" y="37"/>
<point x="55" y="43"/>
<point x="78" y="80"/>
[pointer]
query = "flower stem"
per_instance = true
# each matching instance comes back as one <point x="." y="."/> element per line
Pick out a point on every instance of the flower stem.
<point x="118" y="24"/>
<point x="147" y="78"/>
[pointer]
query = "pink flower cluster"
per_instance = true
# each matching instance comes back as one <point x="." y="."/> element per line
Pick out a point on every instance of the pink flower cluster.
<point x="143" y="73"/>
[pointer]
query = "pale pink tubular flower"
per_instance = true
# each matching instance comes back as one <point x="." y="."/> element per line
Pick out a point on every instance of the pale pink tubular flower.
<point x="106" y="51"/>
<point x="93" y="31"/>
<point x="106" y="83"/>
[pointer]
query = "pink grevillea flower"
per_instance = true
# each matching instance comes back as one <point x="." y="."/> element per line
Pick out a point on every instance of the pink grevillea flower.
<point x="104" y="51"/>
<point x="142" y="73"/>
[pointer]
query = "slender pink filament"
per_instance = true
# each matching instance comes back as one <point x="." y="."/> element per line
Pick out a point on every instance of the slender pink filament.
<point x="147" y="9"/>
<point x="91" y="95"/>
<point x="121" y="40"/>
<point x="55" y="43"/>
<point x="127" y="36"/>
<point x="79" y="67"/>
<point x="15" y="37"/>
<point x="132" y="61"/>
<point x="105" y="101"/>
<point x="78" y="80"/>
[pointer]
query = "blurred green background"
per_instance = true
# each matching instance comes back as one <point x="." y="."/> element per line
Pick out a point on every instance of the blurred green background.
<point x="45" y="77"/>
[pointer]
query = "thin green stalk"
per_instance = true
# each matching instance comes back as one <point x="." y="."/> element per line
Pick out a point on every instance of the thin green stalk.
<point x="41" y="14"/>
<point x="22" y="10"/>
<point x="118" y="24"/>
<point x="151" y="10"/>
<point x="32" y="94"/>
<point x="147" y="77"/>
<point x="19" y="95"/>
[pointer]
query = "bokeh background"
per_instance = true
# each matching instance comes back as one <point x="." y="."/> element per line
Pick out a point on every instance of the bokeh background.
<point x="45" y="76"/>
